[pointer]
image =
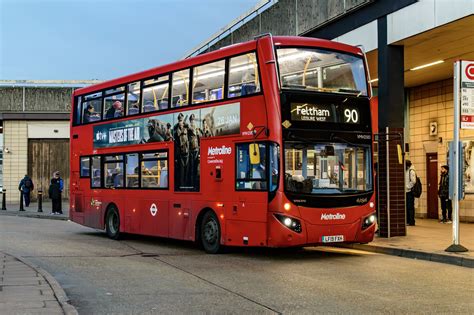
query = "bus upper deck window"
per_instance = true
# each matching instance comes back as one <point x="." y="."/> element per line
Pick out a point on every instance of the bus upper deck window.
<point x="208" y="82"/>
<point x="243" y="75"/>
<point x="180" y="88"/>
<point x="133" y="98"/>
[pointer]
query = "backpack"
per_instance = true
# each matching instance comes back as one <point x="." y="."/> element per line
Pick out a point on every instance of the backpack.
<point x="28" y="183"/>
<point x="417" y="188"/>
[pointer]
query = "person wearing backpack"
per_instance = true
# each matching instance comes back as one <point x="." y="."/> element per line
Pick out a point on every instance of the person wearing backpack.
<point x="443" y="193"/>
<point x="56" y="186"/>
<point x="410" y="181"/>
<point x="26" y="186"/>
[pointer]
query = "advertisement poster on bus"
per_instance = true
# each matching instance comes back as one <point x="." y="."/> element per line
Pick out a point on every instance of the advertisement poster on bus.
<point x="185" y="129"/>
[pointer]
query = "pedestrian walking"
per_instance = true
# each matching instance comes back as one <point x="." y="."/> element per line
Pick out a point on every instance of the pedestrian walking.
<point x="26" y="186"/>
<point x="443" y="193"/>
<point x="56" y="186"/>
<point x="410" y="180"/>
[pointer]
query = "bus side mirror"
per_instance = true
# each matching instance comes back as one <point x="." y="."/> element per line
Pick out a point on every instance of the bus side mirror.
<point x="254" y="153"/>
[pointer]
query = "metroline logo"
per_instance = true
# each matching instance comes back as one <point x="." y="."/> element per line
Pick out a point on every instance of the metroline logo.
<point x="219" y="150"/>
<point x="330" y="216"/>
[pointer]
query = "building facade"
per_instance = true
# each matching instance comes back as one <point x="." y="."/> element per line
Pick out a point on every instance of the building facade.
<point x="34" y="116"/>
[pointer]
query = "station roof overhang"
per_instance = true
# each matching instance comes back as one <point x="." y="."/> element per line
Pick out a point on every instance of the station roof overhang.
<point x="449" y="42"/>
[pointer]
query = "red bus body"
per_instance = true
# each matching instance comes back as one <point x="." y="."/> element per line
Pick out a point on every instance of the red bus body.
<point x="246" y="218"/>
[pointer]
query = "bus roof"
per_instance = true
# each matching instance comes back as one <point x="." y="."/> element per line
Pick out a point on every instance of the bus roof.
<point x="234" y="49"/>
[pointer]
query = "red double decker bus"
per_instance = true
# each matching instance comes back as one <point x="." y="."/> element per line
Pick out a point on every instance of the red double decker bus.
<point x="264" y="143"/>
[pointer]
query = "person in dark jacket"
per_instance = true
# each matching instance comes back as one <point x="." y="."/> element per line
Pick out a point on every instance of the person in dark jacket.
<point x="443" y="193"/>
<point x="55" y="189"/>
<point x="26" y="186"/>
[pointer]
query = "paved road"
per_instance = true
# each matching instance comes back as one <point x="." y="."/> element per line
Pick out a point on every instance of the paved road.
<point x="142" y="275"/>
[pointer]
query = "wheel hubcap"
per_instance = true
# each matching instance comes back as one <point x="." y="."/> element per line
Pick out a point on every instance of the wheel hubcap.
<point x="210" y="232"/>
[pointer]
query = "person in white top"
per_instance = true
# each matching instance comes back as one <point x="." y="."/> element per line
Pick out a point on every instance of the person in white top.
<point x="410" y="180"/>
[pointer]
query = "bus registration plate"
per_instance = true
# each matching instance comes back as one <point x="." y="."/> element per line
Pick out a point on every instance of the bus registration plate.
<point x="333" y="238"/>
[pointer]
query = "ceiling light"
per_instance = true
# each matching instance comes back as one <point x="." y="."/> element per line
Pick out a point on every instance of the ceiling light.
<point x="374" y="80"/>
<point x="427" y="65"/>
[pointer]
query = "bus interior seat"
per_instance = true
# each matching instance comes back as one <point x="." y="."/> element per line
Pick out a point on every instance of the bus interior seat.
<point x="148" y="108"/>
<point x="248" y="88"/>
<point x="133" y="111"/>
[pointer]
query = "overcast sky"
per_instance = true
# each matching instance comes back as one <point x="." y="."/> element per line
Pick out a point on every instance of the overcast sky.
<point x="104" y="39"/>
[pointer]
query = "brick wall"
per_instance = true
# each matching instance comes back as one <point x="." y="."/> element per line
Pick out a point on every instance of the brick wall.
<point x="14" y="162"/>
<point x="427" y="103"/>
<point x="391" y="185"/>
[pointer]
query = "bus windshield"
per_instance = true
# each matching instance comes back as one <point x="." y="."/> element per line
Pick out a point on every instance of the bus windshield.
<point x="321" y="70"/>
<point x="327" y="168"/>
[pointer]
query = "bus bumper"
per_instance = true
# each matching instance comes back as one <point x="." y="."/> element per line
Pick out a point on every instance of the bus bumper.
<point x="317" y="234"/>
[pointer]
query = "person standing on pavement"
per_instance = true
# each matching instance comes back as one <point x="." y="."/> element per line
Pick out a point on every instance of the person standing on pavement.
<point x="410" y="180"/>
<point x="443" y="193"/>
<point x="55" y="189"/>
<point x="26" y="186"/>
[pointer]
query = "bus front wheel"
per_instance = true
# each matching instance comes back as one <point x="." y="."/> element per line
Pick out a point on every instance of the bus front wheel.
<point x="112" y="223"/>
<point x="210" y="233"/>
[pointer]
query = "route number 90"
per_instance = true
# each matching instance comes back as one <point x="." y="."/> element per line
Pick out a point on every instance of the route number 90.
<point x="351" y="115"/>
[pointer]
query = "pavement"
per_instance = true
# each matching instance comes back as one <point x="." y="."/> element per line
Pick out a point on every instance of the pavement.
<point x="427" y="240"/>
<point x="32" y="211"/>
<point x="27" y="289"/>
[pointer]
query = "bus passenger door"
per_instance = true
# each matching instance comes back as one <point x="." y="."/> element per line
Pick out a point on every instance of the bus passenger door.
<point x="246" y="224"/>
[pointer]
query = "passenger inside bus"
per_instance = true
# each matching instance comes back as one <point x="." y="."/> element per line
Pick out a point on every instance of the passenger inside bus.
<point x="116" y="110"/>
<point x="90" y="114"/>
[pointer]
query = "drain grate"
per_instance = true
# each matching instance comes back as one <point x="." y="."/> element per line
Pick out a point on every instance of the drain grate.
<point x="150" y="255"/>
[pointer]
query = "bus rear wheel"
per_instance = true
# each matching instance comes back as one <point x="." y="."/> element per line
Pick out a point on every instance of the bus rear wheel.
<point x="210" y="233"/>
<point x="112" y="223"/>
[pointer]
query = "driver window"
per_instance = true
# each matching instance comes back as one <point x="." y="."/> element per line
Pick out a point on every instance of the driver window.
<point x="251" y="173"/>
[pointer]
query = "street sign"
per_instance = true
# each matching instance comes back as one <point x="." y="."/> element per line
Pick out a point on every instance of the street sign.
<point x="463" y="79"/>
<point x="467" y="94"/>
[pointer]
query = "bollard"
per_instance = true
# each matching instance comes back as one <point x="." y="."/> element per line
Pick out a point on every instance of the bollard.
<point x="4" y="199"/>
<point x="21" y="201"/>
<point x="40" y="200"/>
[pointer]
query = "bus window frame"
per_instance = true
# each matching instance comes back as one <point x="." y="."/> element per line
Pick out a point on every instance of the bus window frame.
<point x="151" y="85"/>
<point x="124" y="161"/>
<point x="141" y="159"/>
<point x="104" y="176"/>
<point x="326" y="49"/>
<point x="169" y="73"/>
<point x="124" y="104"/>
<point x="80" y="165"/>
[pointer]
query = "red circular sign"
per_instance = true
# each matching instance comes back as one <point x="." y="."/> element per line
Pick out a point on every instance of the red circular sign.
<point x="470" y="71"/>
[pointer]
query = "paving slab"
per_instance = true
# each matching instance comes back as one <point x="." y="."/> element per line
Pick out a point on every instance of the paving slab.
<point x="28" y="289"/>
<point x="427" y="240"/>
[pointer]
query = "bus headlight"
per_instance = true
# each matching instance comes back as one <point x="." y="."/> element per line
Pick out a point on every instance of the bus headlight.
<point x="368" y="221"/>
<point x="291" y="223"/>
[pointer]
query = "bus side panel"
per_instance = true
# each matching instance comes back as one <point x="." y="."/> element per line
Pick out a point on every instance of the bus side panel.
<point x="153" y="216"/>
<point x="179" y="218"/>
<point x="245" y="233"/>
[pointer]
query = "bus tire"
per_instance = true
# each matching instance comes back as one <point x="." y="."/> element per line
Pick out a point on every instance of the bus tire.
<point x="210" y="233"/>
<point x="112" y="223"/>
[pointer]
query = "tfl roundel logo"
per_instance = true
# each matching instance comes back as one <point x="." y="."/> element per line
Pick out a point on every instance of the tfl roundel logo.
<point x="153" y="209"/>
<point x="470" y="71"/>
